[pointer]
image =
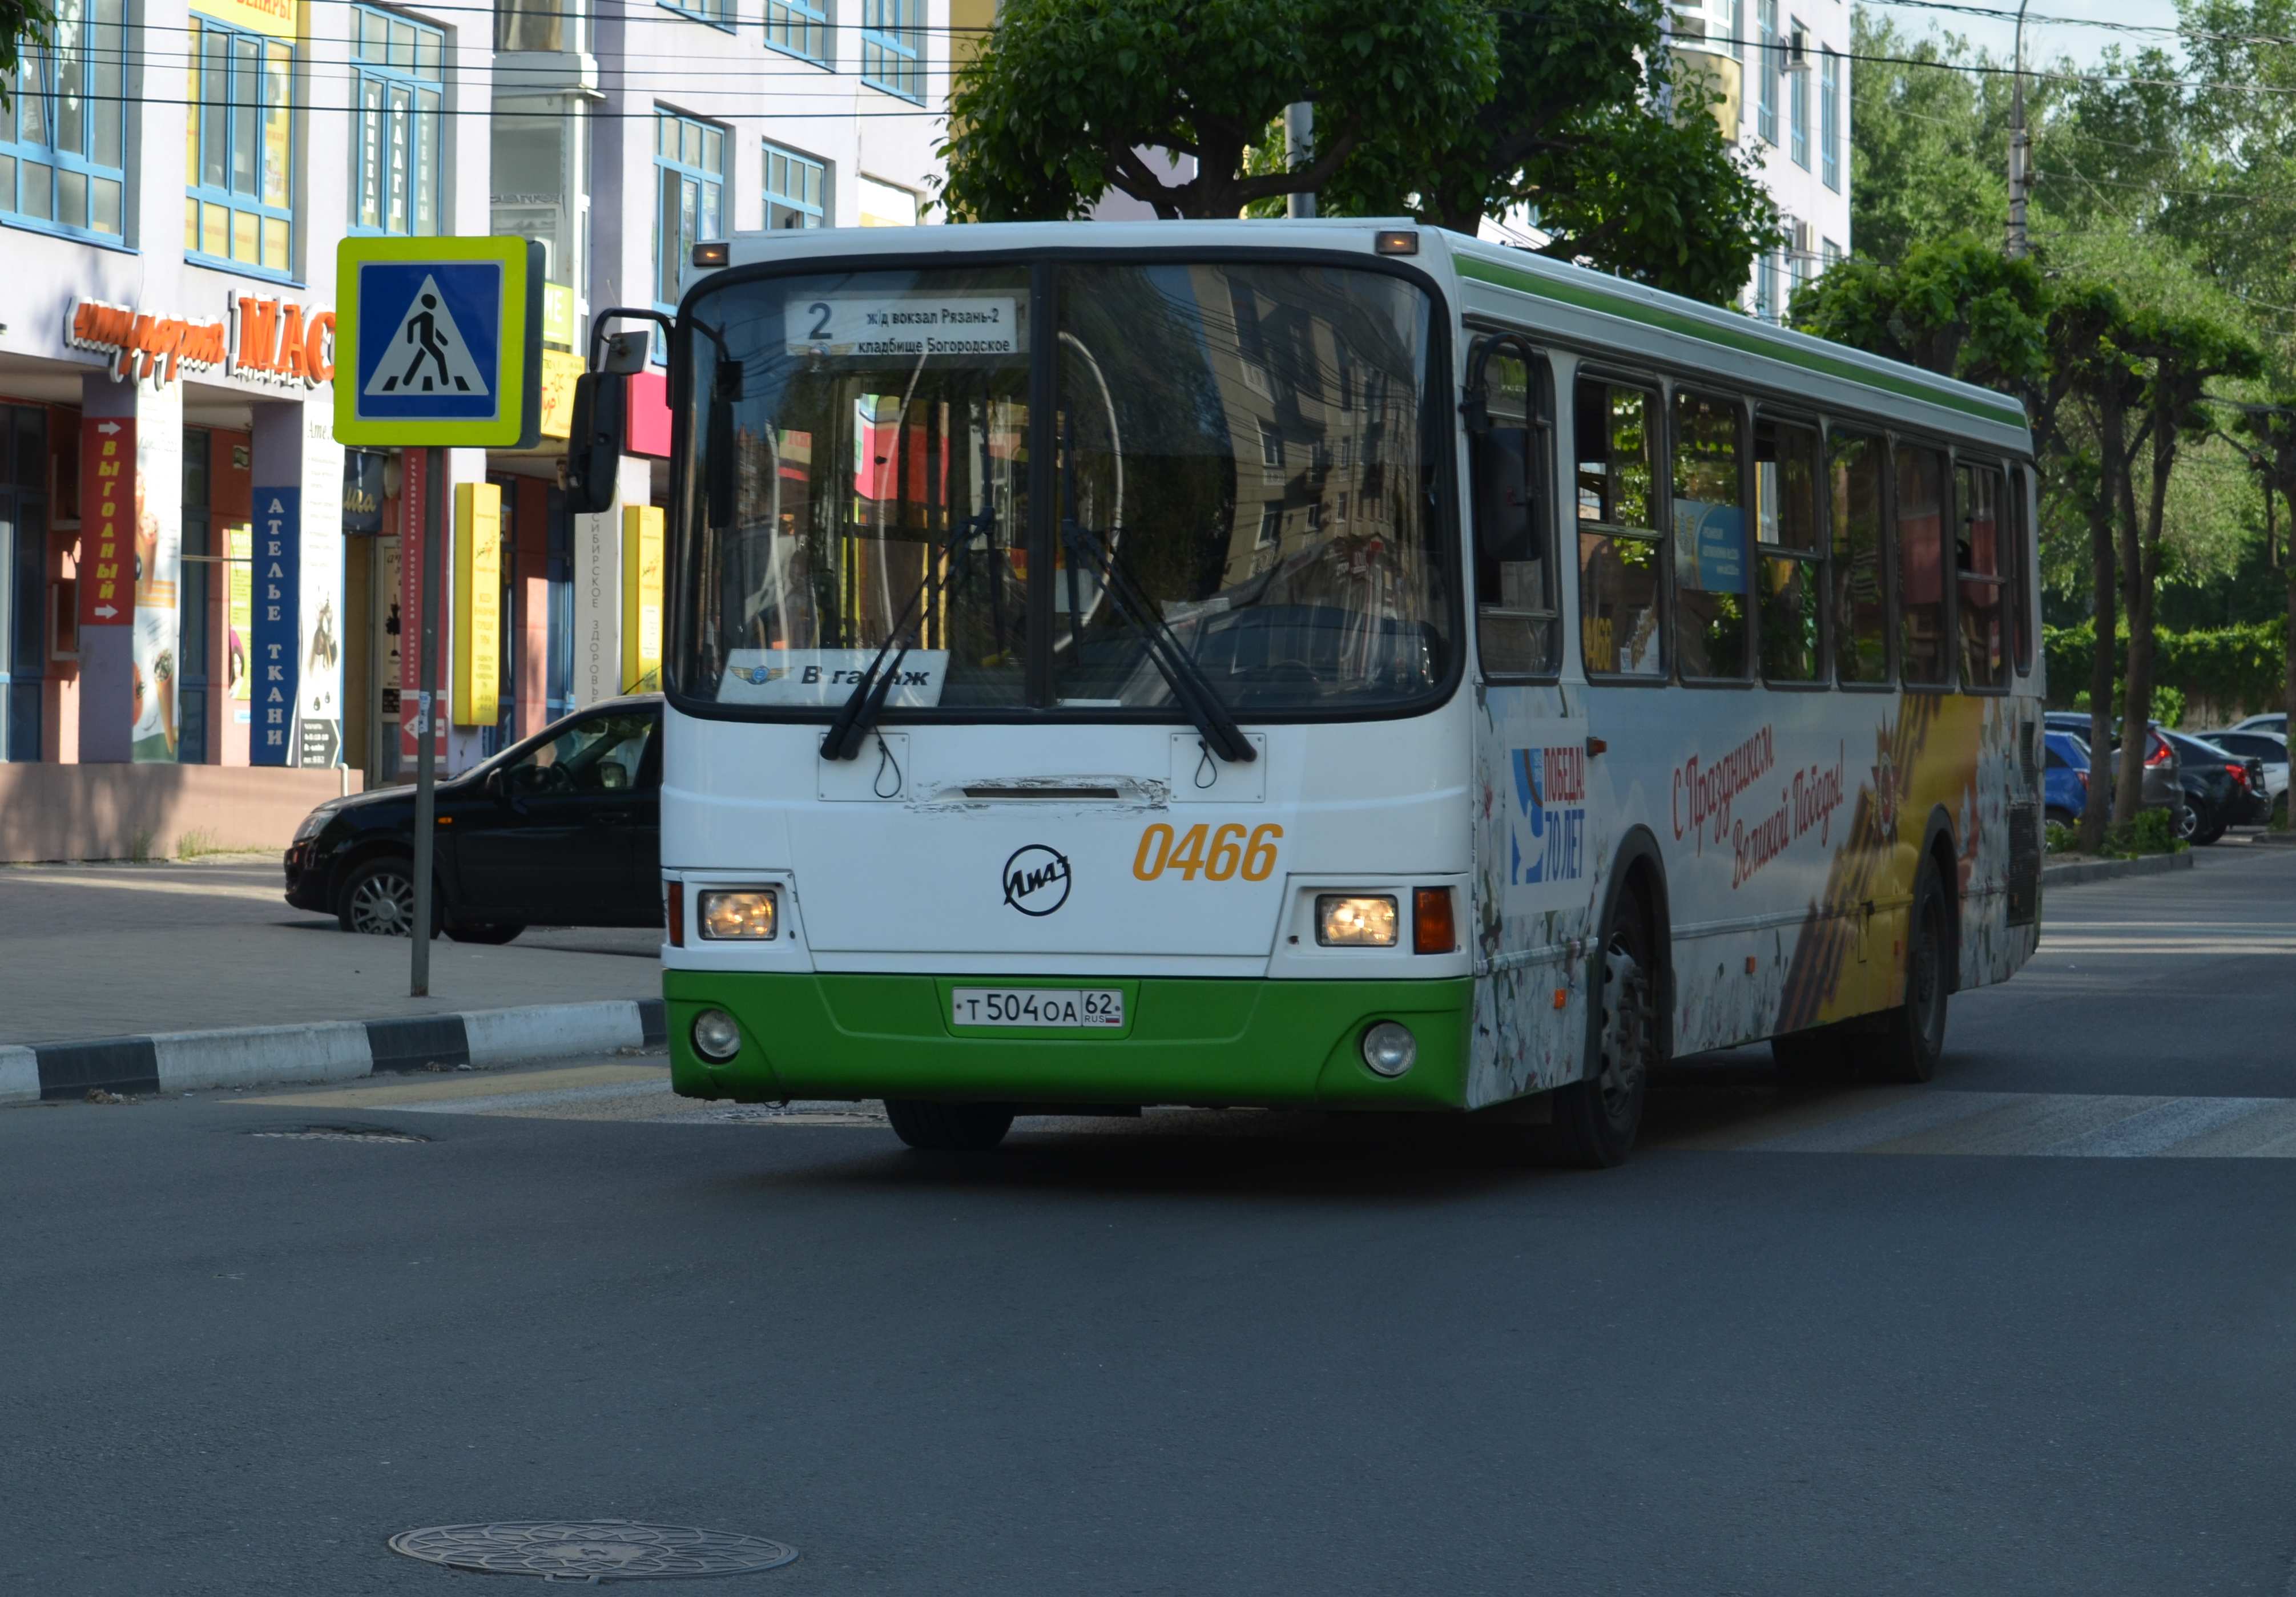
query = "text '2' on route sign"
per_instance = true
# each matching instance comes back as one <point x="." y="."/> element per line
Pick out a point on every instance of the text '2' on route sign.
<point x="444" y="342"/>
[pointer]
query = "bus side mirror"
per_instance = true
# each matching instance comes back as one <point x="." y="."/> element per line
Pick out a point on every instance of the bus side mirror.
<point x="594" y="449"/>
<point x="1507" y="524"/>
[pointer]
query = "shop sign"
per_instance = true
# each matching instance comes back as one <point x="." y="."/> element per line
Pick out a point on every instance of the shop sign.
<point x="274" y="340"/>
<point x="274" y="651"/>
<point x="107" y="453"/>
<point x="558" y="314"/>
<point x="478" y="604"/>
<point x="158" y="349"/>
<point x="362" y="491"/>
<point x="277" y="18"/>
<point x="559" y="371"/>
<point x="641" y="599"/>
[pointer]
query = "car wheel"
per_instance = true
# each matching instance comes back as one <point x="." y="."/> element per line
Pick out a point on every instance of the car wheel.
<point x="2065" y="818"/>
<point x="1912" y="1036"/>
<point x="949" y="1127"/>
<point x="2211" y="831"/>
<point x="2190" y="819"/>
<point x="1596" y="1120"/>
<point x="484" y="931"/>
<point x="378" y="899"/>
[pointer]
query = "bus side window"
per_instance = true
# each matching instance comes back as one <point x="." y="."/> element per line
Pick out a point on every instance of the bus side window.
<point x="1861" y="610"/>
<point x="2017" y="557"/>
<point x="1620" y="617"/>
<point x="1515" y="615"/>
<point x="1711" y="631"/>
<point x="1921" y="512"/>
<point x="1983" y="594"/>
<point x="1791" y="547"/>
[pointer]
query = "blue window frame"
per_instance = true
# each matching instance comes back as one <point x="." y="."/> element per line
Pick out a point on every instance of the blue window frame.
<point x="396" y="151"/>
<point x="1766" y="74"/>
<point x="892" y="47"/>
<point x="63" y="136"/>
<point x="796" y="189"/>
<point x="240" y="167"/>
<point x="717" y="13"/>
<point x="1829" y="119"/>
<point x="689" y="162"/>
<point x="800" y="28"/>
<point x="1798" y="110"/>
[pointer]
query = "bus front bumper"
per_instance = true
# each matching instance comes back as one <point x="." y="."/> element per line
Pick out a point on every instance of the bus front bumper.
<point x="1217" y="1043"/>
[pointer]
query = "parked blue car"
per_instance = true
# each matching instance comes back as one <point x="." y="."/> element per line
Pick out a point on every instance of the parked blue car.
<point x="2065" y="785"/>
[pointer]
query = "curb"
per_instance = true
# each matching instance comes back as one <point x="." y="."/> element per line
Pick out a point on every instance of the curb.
<point x="2107" y="870"/>
<point x="186" y="1061"/>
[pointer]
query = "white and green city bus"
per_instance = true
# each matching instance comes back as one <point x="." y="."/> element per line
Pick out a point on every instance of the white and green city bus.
<point x="1334" y="664"/>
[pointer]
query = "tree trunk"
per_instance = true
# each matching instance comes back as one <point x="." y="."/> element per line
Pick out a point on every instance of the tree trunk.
<point x="2288" y="569"/>
<point x="2137" y="682"/>
<point x="2095" y="812"/>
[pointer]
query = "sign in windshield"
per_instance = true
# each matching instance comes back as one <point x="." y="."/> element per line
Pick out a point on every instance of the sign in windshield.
<point x="888" y="324"/>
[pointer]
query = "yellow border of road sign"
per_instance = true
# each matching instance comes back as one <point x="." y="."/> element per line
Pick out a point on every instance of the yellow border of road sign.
<point x="517" y="425"/>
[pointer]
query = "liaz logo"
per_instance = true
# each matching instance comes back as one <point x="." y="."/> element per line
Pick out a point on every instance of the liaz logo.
<point x="1548" y="841"/>
<point x="760" y="674"/>
<point x="1037" y="880"/>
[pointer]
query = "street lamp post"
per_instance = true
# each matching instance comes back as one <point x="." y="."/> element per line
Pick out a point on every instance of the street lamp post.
<point x="2020" y="146"/>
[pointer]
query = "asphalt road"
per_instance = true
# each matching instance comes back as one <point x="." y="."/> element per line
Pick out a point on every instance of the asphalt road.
<point x="1188" y="1355"/>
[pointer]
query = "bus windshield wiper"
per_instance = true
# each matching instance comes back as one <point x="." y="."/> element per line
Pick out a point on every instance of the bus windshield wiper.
<point x="843" y="740"/>
<point x="1197" y="696"/>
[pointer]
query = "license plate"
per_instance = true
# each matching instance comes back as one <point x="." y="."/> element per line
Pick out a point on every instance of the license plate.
<point x="1079" y="1009"/>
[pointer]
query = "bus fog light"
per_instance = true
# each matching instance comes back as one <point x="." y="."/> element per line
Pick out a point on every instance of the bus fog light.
<point x="1352" y="920"/>
<point x="749" y="914"/>
<point x="1390" y="1049"/>
<point x="718" y="1038"/>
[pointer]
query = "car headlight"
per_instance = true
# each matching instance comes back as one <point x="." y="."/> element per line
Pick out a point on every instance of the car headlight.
<point x="1355" y="920"/>
<point x="745" y="914"/>
<point x="314" y="822"/>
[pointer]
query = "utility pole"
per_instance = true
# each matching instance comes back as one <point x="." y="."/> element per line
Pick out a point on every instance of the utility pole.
<point x="2020" y="148"/>
<point x="1300" y="151"/>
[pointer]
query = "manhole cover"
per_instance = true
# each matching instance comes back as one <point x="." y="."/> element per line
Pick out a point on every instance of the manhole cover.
<point x="340" y="1133"/>
<point x="593" y="1550"/>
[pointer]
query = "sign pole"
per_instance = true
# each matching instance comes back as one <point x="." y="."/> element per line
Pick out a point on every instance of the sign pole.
<point x="426" y="741"/>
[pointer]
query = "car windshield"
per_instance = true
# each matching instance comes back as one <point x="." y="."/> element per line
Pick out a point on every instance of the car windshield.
<point x="1229" y="462"/>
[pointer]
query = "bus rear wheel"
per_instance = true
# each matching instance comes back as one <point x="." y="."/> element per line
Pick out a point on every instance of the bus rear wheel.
<point x="949" y="1127"/>
<point x="1596" y="1120"/>
<point x="1912" y="1036"/>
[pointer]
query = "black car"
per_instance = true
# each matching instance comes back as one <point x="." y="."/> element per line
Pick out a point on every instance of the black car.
<point x="2228" y="788"/>
<point x="562" y="830"/>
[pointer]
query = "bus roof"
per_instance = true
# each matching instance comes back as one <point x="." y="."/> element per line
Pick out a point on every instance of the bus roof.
<point x="1591" y="307"/>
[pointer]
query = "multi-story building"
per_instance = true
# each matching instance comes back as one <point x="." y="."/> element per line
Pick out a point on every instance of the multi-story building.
<point x="1783" y="69"/>
<point x="192" y="571"/>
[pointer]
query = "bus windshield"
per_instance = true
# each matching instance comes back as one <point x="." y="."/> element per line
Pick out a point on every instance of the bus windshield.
<point x="1235" y="465"/>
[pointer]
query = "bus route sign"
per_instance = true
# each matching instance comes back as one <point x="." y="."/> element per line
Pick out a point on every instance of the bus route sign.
<point x="443" y="338"/>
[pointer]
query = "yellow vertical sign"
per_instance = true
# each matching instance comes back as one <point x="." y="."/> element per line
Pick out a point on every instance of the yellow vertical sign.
<point x="478" y="604"/>
<point x="641" y="599"/>
<point x="239" y="607"/>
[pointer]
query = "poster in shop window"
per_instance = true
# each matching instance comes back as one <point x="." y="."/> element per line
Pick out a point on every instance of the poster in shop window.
<point x="159" y="557"/>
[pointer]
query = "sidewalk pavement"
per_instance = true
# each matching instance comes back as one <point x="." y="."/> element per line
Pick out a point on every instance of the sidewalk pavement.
<point x="138" y="950"/>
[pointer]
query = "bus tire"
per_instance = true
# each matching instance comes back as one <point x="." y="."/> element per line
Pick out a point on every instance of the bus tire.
<point x="1911" y="1036"/>
<point x="1596" y="1119"/>
<point x="1817" y="1057"/>
<point x="949" y="1127"/>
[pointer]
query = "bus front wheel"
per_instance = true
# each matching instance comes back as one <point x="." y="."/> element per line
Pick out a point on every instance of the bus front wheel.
<point x="1913" y="1034"/>
<point x="949" y="1127"/>
<point x="1595" y="1120"/>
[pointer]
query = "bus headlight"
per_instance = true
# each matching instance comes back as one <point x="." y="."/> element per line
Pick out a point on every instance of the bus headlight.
<point x="1390" y="1049"/>
<point x="747" y="914"/>
<point x="1352" y="920"/>
<point x="716" y="1037"/>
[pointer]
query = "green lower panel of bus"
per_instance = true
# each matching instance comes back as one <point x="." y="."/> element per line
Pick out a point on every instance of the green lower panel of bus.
<point x="1183" y="1040"/>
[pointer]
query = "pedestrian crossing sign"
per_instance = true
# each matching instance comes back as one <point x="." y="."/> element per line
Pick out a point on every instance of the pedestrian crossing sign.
<point x="443" y="339"/>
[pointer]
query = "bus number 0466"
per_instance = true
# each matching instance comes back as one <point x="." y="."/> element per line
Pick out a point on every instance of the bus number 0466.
<point x="1225" y="853"/>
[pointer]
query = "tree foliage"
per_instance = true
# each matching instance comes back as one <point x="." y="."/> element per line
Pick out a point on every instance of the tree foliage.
<point x="21" y="23"/>
<point x="1447" y="110"/>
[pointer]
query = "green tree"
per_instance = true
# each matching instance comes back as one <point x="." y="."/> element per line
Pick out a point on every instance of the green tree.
<point x="1928" y="146"/>
<point x="1448" y="111"/>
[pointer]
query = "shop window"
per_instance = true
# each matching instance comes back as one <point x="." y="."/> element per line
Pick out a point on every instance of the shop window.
<point x="796" y="189"/>
<point x="396" y="149"/>
<point x="239" y="159"/>
<point x="63" y="133"/>
<point x="892" y="47"/>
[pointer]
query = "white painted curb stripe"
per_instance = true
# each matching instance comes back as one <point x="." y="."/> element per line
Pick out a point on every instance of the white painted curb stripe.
<point x="548" y="1030"/>
<point x="329" y="1050"/>
<point x="19" y="1076"/>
